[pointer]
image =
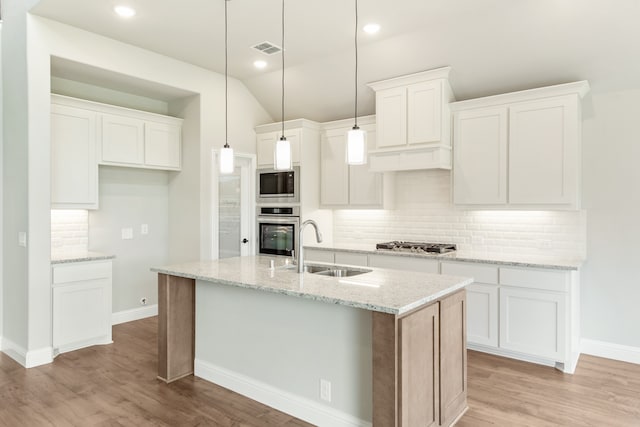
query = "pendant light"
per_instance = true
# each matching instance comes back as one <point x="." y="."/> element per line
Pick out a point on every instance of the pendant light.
<point x="356" y="137"/>
<point x="226" y="152"/>
<point x="282" y="154"/>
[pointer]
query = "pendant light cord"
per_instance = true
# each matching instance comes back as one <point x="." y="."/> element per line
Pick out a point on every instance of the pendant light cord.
<point x="226" y="78"/>
<point x="282" y="113"/>
<point x="356" y="73"/>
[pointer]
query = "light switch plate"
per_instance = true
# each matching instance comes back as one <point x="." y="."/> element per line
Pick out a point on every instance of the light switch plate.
<point x="144" y="229"/>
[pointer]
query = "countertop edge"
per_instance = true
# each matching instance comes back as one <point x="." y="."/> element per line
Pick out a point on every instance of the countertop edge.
<point x="455" y="257"/>
<point x="348" y="303"/>
<point x="82" y="258"/>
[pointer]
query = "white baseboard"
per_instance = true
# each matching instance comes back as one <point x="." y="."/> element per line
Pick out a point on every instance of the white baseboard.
<point x="623" y="353"/>
<point x="294" y="405"/>
<point x="134" y="314"/>
<point x="28" y="359"/>
<point x="14" y="351"/>
<point x="39" y="357"/>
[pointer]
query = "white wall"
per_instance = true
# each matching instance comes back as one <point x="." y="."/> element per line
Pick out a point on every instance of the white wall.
<point x="1" y="192"/>
<point x="15" y="139"/>
<point x="27" y="300"/>
<point x="107" y="96"/>
<point x="131" y="197"/>
<point x="424" y="213"/>
<point x="611" y="195"/>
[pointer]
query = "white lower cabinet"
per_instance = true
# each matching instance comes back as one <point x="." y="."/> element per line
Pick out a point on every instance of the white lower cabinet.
<point x="482" y="314"/>
<point x="81" y="305"/>
<point x="352" y="258"/>
<point x="319" y="255"/>
<point x="533" y="322"/>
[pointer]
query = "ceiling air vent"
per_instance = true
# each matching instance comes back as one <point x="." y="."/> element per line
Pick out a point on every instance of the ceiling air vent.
<point x="267" y="48"/>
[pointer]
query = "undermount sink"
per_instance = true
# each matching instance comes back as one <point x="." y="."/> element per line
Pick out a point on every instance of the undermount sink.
<point x="334" y="270"/>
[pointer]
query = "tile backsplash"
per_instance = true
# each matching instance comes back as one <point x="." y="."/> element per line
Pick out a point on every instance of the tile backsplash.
<point x="424" y="212"/>
<point x="69" y="230"/>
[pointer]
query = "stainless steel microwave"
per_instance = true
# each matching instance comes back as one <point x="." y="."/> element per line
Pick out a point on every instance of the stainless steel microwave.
<point x="278" y="186"/>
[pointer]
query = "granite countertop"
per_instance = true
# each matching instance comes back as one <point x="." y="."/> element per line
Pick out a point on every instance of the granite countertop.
<point x="68" y="257"/>
<point x="377" y="290"/>
<point x="505" y="259"/>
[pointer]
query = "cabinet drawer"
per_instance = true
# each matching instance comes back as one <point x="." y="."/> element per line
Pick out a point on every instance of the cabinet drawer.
<point x="480" y="273"/>
<point x="404" y="263"/>
<point x="351" y="258"/>
<point x="536" y="279"/>
<point x="318" y="255"/>
<point x="77" y="272"/>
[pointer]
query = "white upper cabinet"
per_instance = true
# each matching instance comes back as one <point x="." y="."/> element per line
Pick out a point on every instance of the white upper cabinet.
<point x="266" y="144"/>
<point x="544" y="151"/>
<point x="74" y="166"/>
<point x="143" y="140"/>
<point x="162" y="145"/>
<point x="122" y="140"/>
<point x="413" y="122"/>
<point x="519" y="150"/>
<point x="480" y="140"/>
<point x="342" y="185"/>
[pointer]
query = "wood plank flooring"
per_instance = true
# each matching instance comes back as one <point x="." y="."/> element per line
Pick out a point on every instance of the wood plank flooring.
<point x="116" y="385"/>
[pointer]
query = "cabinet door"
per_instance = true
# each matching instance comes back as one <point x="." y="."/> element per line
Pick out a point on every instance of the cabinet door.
<point x="544" y="152"/>
<point x="74" y="166"/>
<point x="266" y="144"/>
<point x="424" y="112"/>
<point x="318" y="255"/>
<point x="365" y="187"/>
<point x="334" y="171"/>
<point x="480" y="157"/>
<point x="122" y="140"/>
<point x="81" y="314"/>
<point x="453" y="357"/>
<point x="532" y="322"/>
<point x="391" y="117"/>
<point x="162" y="145"/>
<point x="482" y="314"/>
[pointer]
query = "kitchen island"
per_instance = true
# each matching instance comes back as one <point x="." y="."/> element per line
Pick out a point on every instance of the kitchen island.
<point x="392" y="343"/>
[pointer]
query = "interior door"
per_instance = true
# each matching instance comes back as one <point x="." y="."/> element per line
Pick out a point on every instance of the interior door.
<point x="235" y="207"/>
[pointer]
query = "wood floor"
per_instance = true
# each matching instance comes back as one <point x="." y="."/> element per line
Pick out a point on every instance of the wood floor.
<point x="115" y="385"/>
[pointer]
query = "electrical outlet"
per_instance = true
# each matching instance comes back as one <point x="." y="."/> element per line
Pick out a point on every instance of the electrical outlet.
<point x="127" y="233"/>
<point x="325" y="390"/>
<point x="144" y="229"/>
<point x="22" y="238"/>
<point x="143" y="301"/>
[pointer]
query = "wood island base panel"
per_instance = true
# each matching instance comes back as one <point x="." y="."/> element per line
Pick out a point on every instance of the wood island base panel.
<point x="419" y="361"/>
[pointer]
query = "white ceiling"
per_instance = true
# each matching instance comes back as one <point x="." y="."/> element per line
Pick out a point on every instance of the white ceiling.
<point x="494" y="46"/>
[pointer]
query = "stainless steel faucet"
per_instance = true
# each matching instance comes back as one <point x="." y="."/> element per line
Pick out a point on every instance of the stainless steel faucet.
<point x="301" y="245"/>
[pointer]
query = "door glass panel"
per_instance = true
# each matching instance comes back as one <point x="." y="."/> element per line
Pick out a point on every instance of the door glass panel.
<point x="229" y="191"/>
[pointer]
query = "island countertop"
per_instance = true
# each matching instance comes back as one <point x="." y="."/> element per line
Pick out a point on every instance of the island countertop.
<point x="382" y="290"/>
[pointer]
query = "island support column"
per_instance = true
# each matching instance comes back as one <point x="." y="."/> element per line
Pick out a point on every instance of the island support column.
<point x="176" y="327"/>
<point x="420" y="365"/>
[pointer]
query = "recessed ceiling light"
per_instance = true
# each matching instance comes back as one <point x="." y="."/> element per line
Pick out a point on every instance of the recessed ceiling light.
<point x="260" y="64"/>
<point x="371" y="28"/>
<point x="124" y="11"/>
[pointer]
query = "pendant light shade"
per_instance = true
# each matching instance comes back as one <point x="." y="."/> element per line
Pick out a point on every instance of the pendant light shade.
<point x="282" y="156"/>
<point x="226" y="160"/>
<point x="356" y="146"/>
<point x="282" y="153"/>
<point x="356" y="137"/>
<point x="226" y="152"/>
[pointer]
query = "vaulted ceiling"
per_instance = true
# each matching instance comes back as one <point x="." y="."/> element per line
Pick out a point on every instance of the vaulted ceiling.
<point x="493" y="46"/>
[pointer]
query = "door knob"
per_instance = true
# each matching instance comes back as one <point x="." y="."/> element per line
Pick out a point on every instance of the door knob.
<point x="245" y="240"/>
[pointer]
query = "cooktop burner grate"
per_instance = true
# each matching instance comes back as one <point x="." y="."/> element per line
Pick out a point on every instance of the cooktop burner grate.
<point x="438" y="248"/>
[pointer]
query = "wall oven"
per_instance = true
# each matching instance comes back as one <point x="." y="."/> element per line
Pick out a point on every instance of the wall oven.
<point x="278" y="229"/>
<point x="278" y="186"/>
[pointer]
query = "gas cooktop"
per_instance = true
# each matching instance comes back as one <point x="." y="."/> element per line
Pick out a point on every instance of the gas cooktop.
<point x="438" y="248"/>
